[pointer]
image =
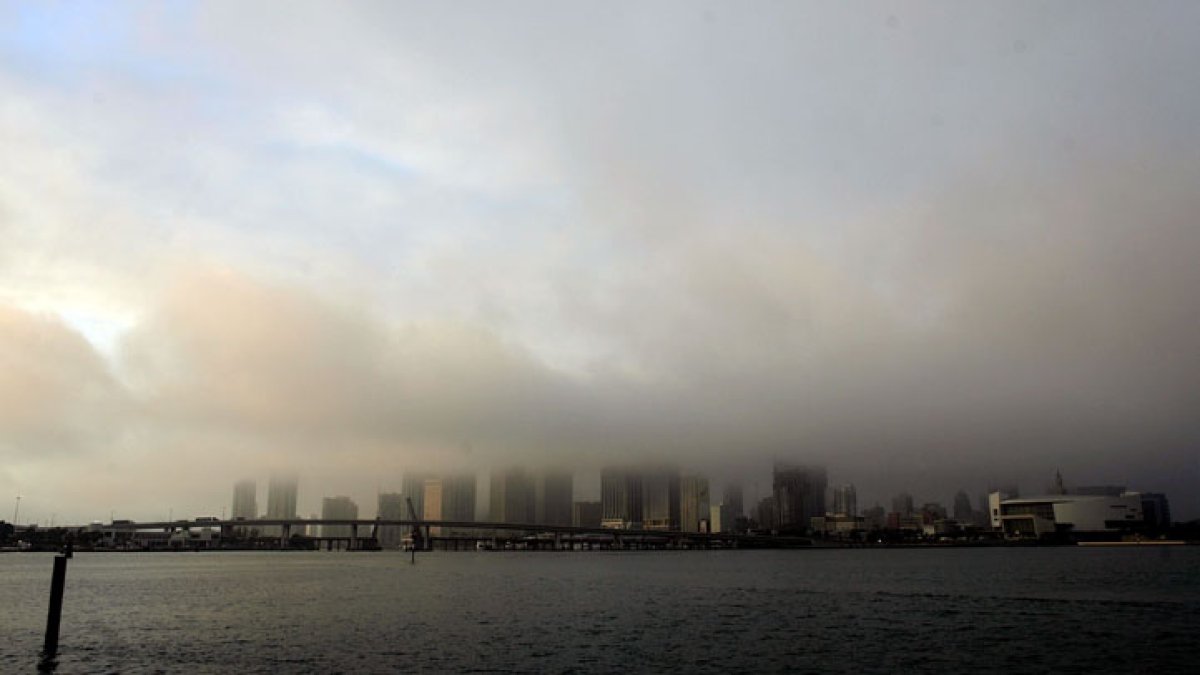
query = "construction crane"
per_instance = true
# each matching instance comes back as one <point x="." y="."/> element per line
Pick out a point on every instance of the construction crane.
<point x="417" y="541"/>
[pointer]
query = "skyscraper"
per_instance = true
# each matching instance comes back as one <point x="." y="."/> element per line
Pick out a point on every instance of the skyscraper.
<point x="458" y="496"/>
<point x="902" y="504"/>
<point x="433" y="504"/>
<point x="512" y="499"/>
<point x="799" y="495"/>
<point x="620" y="498"/>
<point x="733" y="498"/>
<point x="553" y="495"/>
<point x="660" y="499"/>
<point x="693" y="503"/>
<point x="845" y="500"/>
<point x="282" y="492"/>
<point x="413" y="487"/>
<point x="391" y="507"/>
<point x="963" y="513"/>
<point x="245" y="500"/>
<point x="338" y="508"/>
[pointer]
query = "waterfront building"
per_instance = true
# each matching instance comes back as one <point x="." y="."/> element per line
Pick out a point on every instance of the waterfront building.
<point x="995" y="497"/>
<point x="694" y="510"/>
<point x="338" y="508"/>
<point x="1156" y="510"/>
<point x="586" y="514"/>
<point x="874" y="518"/>
<point x="799" y="492"/>
<point x="1087" y="515"/>
<point x="660" y="499"/>
<point x="932" y="512"/>
<point x="513" y="496"/>
<point x="620" y="498"/>
<point x="845" y="500"/>
<point x="838" y="526"/>
<point x="245" y="500"/>
<point x="391" y="507"/>
<point x="554" y="492"/>
<point x="282" y="492"/>
<point x="733" y="497"/>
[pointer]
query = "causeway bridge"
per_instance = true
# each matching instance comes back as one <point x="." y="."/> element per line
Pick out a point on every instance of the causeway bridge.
<point x="363" y="533"/>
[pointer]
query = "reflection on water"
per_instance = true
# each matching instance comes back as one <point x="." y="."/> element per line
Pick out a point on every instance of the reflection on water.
<point x="857" y="610"/>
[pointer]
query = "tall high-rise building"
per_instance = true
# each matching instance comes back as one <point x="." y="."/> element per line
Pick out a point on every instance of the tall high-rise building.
<point x="963" y="513"/>
<point x="660" y="499"/>
<point x="693" y="504"/>
<point x="513" y="498"/>
<point x="553" y="495"/>
<point x="245" y="500"/>
<point x="282" y="492"/>
<point x="620" y="498"/>
<point x="766" y="513"/>
<point x="391" y="507"/>
<point x="338" y="508"/>
<point x="413" y="487"/>
<point x="458" y="497"/>
<point x="799" y="495"/>
<point x="586" y="514"/>
<point x="845" y="500"/>
<point x="733" y="498"/>
<point x="433" y="504"/>
<point x="902" y="504"/>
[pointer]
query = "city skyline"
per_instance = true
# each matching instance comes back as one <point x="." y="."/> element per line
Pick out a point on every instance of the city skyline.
<point x="928" y="247"/>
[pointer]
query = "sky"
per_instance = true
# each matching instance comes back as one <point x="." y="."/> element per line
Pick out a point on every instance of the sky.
<point x="930" y="246"/>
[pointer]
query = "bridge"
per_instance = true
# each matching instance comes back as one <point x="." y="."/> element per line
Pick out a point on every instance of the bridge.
<point x="534" y="534"/>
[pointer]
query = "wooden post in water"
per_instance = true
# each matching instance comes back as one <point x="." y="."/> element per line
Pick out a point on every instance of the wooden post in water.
<point x="54" y="616"/>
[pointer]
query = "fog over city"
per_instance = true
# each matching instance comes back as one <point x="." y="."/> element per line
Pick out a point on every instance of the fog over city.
<point x="930" y="247"/>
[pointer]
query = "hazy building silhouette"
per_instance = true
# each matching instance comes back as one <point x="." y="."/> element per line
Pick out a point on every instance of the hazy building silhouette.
<point x="586" y="514"/>
<point x="660" y="499"/>
<point x="799" y="493"/>
<point x="282" y="492"/>
<point x="963" y="512"/>
<point x="902" y="504"/>
<point x="732" y="497"/>
<point x="338" y="508"/>
<point x="554" y="492"/>
<point x="458" y="497"/>
<point x="766" y="514"/>
<point x="391" y="507"/>
<point x="245" y="500"/>
<point x="413" y="488"/>
<point x="694" y="508"/>
<point x="620" y="498"/>
<point x="845" y="500"/>
<point x="513" y="497"/>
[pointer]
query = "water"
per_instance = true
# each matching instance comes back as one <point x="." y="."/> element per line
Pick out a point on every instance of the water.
<point x="956" y="610"/>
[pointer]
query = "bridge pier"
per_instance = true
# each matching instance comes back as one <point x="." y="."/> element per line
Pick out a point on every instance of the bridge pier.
<point x="353" y="545"/>
<point x="285" y="535"/>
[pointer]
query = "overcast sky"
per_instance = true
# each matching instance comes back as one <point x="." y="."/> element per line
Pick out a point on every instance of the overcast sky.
<point x="930" y="245"/>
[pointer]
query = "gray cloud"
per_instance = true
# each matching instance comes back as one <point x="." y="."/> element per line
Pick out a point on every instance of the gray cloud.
<point x="933" y="249"/>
